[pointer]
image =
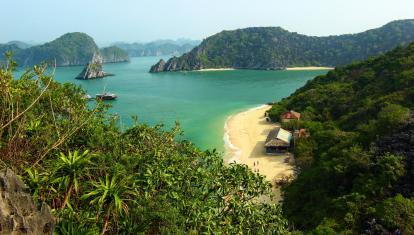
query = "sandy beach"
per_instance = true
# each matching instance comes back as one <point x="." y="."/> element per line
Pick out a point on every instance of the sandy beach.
<point x="309" y="68"/>
<point x="245" y="135"/>
<point x="217" y="69"/>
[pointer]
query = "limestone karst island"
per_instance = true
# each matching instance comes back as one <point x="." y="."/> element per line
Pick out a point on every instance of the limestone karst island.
<point x="207" y="117"/>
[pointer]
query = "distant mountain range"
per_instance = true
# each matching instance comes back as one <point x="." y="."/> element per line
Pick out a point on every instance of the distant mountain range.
<point x="275" y="48"/>
<point x="159" y="47"/>
<point x="68" y="50"/>
<point x="20" y="44"/>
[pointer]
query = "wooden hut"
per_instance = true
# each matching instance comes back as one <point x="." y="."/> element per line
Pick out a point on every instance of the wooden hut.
<point x="278" y="141"/>
<point x="289" y="116"/>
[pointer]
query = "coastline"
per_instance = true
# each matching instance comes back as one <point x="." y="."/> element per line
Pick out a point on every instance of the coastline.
<point x="308" y="68"/>
<point x="214" y="69"/>
<point x="245" y="135"/>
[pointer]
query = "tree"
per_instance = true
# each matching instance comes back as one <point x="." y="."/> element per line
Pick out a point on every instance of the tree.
<point x="110" y="195"/>
<point x="68" y="169"/>
<point x="397" y="213"/>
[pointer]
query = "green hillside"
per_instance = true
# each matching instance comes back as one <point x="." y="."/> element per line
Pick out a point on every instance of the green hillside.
<point x="276" y="48"/>
<point x="356" y="170"/>
<point x="158" y="48"/>
<point x="68" y="50"/>
<point x="114" y="54"/>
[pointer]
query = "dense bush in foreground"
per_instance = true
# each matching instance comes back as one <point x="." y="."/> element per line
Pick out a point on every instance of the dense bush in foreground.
<point x="355" y="171"/>
<point x="98" y="179"/>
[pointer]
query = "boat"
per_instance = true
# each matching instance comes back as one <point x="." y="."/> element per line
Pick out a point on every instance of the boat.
<point x="87" y="97"/>
<point x="106" y="96"/>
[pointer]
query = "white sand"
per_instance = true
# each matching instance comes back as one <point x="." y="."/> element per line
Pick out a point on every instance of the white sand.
<point x="309" y="68"/>
<point x="245" y="136"/>
<point x="217" y="69"/>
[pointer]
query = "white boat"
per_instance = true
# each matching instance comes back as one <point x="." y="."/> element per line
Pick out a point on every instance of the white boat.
<point x="106" y="96"/>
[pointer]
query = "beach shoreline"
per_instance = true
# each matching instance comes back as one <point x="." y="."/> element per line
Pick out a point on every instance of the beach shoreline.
<point x="214" y="69"/>
<point x="308" y="68"/>
<point x="245" y="135"/>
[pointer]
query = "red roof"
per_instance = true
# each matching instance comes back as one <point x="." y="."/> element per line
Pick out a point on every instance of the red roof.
<point x="290" y="115"/>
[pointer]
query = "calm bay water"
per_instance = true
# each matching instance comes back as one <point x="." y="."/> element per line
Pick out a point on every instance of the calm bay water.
<point x="200" y="101"/>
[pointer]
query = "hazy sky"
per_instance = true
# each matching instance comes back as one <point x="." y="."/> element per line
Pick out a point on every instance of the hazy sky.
<point x="145" y="20"/>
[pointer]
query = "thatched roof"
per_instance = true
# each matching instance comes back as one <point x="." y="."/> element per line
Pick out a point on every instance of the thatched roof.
<point x="278" y="137"/>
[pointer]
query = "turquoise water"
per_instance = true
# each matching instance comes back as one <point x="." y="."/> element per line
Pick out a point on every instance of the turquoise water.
<point x="200" y="101"/>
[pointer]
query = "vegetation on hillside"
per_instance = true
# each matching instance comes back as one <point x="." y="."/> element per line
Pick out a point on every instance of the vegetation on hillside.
<point x="113" y="54"/>
<point x="158" y="48"/>
<point x="68" y="50"/>
<point x="98" y="179"/>
<point x="276" y="48"/>
<point x="355" y="171"/>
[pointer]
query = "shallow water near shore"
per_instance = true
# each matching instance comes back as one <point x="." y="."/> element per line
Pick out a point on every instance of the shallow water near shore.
<point x="199" y="101"/>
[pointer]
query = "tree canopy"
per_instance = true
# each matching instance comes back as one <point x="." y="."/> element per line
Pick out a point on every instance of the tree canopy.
<point x="358" y="159"/>
<point x="98" y="179"/>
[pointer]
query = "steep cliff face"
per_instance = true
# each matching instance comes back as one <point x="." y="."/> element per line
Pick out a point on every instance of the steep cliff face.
<point x="18" y="212"/>
<point x="160" y="66"/>
<point x="271" y="48"/>
<point x="93" y="69"/>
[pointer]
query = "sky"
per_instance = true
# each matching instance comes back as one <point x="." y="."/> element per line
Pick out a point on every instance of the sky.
<point x="146" y="20"/>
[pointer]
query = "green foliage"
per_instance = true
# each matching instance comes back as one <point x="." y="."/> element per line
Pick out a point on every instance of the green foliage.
<point x="157" y="48"/>
<point x="99" y="179"/>
<point x="276" y="48"/>
<point x="304" y="152"/>
<point x="276" y="111"/>
<point x="397" y="213"/>
<point x="67" y="50"/>
<point x="114" y="54"/>
<point x="68" y="170"/>
<point x="342" y="176"/>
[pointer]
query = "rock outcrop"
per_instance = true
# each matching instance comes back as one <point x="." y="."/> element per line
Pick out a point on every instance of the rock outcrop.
<point x="183" y="63"/>
<point x="18" y="212"/>
<point x="158" y="67"/>
<point x="93" y="69"/>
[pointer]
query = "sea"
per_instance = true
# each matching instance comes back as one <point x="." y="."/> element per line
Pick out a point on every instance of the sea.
<point x="199" y="101"/>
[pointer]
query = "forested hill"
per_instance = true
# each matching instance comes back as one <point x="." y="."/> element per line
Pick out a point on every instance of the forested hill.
<point x="158" y="48"/>
<point x="114" y="54"/>
<point x="276" y="48"/>
<point x="356" y="169"/>
<point x="68" y="50"/>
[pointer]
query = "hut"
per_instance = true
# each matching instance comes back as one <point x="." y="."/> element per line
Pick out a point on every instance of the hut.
<point x="289" y="116"/>
<point x="278" y="141"/>
<point x="301" y="133"/>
